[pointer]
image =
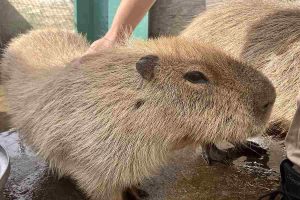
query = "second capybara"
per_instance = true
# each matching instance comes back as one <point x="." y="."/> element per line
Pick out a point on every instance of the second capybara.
<point x="264" y="33"/>
<point x="114" y="118"/>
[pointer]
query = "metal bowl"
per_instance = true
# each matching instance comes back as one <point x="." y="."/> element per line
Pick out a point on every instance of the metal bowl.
<point x="4" y="167"/>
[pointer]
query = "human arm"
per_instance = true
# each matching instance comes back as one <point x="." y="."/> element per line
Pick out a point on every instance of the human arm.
<point x="128" y="15"/>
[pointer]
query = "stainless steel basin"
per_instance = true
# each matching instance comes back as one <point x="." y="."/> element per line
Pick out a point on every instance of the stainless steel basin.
<point x="4" y="167"/>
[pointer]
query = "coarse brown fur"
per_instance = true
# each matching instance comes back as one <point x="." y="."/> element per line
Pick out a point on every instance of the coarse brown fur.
<point x="264" y="33"/>
<point x="100" y="122"/>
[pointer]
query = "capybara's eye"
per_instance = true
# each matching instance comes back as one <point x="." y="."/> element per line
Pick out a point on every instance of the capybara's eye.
<point x="195" y="77"/>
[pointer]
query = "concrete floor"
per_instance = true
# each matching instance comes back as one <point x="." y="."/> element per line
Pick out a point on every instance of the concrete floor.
<point x="187" y="177"/>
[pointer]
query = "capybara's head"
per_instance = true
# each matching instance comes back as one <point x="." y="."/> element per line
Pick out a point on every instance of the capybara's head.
<point x="216" y="97"/>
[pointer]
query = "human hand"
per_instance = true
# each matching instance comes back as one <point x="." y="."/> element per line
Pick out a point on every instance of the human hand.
<point x="100" y="44"/>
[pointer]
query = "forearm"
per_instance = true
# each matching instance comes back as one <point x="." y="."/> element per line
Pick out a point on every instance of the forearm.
<point x="128" y="15"/>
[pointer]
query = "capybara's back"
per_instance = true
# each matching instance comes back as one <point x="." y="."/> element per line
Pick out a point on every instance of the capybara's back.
<point x="265" y="33"/>
<point x="30" y="58"/>
<point x="38" y="49"/>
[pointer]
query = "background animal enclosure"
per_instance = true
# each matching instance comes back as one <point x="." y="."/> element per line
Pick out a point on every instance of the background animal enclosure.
<point x="166" y="16"/>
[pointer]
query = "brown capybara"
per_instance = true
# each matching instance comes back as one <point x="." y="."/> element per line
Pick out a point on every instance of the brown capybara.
<point x="115" y="117"/>
<point x="264" y="33"/>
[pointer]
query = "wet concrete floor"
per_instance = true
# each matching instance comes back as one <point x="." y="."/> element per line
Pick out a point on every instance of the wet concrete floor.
<point x="187" y="177"/>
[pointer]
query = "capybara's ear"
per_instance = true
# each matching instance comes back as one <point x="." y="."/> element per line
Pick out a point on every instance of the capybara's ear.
<point x="145" y="66"/>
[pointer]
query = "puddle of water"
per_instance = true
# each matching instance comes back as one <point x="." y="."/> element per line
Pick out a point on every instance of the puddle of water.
<point x="187" y="177"/>
<point x="30" y="178"/>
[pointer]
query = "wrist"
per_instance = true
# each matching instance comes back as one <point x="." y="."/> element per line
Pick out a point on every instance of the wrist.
<point x="118" y="35"/>
<point x="108" y="40"/>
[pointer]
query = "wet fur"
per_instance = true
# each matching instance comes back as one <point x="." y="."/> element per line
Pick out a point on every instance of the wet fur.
<point x="86" y="117"/>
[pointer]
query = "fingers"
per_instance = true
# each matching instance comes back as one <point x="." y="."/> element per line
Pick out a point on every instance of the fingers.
<point x="99" y="45"/>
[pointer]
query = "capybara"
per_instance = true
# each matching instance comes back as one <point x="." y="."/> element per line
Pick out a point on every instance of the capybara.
<point x="264" y="33"/>
<point x="113" y="118"/>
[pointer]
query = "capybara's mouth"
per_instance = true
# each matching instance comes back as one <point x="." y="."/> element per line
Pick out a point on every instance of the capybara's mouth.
<point x="244" y="131"/>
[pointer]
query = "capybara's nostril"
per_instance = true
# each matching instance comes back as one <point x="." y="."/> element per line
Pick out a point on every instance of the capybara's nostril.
<point x="267" y="105"/>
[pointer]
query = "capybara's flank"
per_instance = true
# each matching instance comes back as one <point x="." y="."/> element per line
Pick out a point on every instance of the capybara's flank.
<point x="264" y="33"/>
<point x="114" y="118"/>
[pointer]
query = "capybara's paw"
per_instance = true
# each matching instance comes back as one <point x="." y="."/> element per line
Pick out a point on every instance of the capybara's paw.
<point x="211" y="153"/>
<point x="134" y="193"/>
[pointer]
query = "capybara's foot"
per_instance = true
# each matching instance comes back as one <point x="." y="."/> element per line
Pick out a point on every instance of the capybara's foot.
<point x="250" y="148"/>
<point x="211" y="153"/>
<point x="134" y="193"/>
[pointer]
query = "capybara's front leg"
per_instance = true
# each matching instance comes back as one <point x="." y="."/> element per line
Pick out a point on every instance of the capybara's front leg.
<point x="211" y="153"/>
